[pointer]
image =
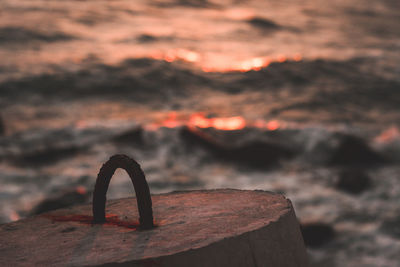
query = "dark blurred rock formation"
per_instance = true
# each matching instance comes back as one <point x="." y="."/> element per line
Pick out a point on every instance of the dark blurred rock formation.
<point x="353" y="181"/>
<point x="353" y="150"/>
<point x="257" y="154"/>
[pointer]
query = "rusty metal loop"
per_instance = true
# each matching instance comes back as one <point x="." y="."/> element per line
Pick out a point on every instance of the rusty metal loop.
<point x="139" y="183"/>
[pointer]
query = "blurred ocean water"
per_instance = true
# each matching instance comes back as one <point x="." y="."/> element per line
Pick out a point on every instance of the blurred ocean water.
<point x="298" y="97"/>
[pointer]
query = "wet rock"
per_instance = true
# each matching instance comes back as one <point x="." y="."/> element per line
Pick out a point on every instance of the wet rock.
<point x="316" y="234"/>
<point x="257" y="154"/>
<point x="391" y="227"/>
<point x="353" y="181"/>
<point x="70" y="198"/>
<point x="353" y="150"/>
<point x="253" y="153"/>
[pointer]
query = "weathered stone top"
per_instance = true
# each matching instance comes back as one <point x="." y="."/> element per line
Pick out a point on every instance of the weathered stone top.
<point x="184" y="220"/>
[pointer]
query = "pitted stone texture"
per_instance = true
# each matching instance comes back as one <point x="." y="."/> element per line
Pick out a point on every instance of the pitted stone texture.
<point x="194" y="228"/>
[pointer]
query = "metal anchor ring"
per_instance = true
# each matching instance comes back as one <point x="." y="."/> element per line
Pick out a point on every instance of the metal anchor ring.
<point x="139" y="183"/>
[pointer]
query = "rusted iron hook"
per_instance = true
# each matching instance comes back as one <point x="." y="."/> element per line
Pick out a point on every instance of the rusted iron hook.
<point x="139" y="183"/>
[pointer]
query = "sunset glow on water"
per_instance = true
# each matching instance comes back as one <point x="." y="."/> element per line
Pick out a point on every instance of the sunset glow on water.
<point x="298" y="97"/>
<point x="214" y="36"/>
<point x="255" y="64"/>
<point x="173" y="120"/>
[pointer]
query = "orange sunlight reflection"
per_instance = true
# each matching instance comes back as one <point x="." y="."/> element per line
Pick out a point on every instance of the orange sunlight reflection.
<point x="81" y="190"/>
<point x="255" y="64"/>
<point x="388" y="135"/>
<point x="228" y="124"/>
<point x="14" y="216"/>
<point x="179" y="54"/>
<point x="199" y="120"/>
<point x="273" y="125"/>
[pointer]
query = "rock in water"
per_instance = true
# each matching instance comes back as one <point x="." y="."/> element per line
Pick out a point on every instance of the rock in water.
<point x="353" y="150"/>
<point x="353" y="181"/>
<point x="195" y="228"/>
<point x="255" y="154"/>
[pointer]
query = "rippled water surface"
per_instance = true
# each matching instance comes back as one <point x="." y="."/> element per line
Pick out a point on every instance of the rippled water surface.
<point x="285" y="96"/>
